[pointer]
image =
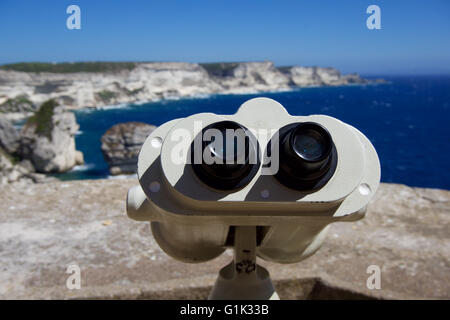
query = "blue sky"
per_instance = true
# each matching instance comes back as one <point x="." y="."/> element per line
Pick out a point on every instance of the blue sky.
<point x="414" y="39"/>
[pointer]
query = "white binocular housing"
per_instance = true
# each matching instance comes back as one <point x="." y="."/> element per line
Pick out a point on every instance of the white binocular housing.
<point x="289" y="176"/>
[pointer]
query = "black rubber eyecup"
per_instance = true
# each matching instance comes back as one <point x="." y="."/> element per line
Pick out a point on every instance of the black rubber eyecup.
<point x="227" y="157"/>
<point x="307" y="156"/>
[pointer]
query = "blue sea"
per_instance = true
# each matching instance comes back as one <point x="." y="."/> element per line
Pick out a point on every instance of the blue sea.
<point x="407" y="120"/>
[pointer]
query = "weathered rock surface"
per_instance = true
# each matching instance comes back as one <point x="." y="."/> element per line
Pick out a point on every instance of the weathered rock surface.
<point x="252" y="77"/>
<point x="12" y="168"/>
<point x="44" y="228"/>
<point x="121" y="145"/>
<point x="314" y="76"/>
<point x="47" y="139"/>
<point x="9" y="136"/>
<point x="22" y="172"/>
<point x="23" y="91"/>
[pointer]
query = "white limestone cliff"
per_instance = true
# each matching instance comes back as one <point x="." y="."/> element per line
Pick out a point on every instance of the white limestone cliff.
<point x="21" y="93"/>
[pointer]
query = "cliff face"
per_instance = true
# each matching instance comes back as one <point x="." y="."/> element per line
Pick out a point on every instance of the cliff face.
<point x="22" y="92"/>
<point x="45" y="144"/>
<point x="50" y="144"/>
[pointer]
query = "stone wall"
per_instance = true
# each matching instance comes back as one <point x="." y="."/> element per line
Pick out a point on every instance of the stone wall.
<point x="46" y="227"/>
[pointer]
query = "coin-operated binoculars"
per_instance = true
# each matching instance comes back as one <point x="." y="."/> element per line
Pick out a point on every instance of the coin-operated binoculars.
<point x="260" y="181"/>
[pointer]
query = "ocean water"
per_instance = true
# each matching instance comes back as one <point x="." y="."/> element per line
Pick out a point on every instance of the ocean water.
<point x="407" y="120"/>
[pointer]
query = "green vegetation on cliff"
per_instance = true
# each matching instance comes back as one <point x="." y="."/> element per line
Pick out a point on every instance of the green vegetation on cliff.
<point x="17" y="104"/>
<point x="42" y="119"/>
<point x="106" y="95"/>
<point x="69" y="67"/>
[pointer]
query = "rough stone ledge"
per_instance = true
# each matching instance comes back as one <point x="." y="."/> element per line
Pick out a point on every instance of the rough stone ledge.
<point x="46" y="227"/>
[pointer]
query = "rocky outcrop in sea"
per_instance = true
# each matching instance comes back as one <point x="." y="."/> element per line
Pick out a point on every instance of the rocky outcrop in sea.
<point x="47" y="139"/>
<point x="121" y="145"/>
<point x="45" y="144"/>
<point x="21" y="92"/>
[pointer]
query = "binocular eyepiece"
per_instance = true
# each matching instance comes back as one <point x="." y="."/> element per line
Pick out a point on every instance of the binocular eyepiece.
<point x="230" y="155"/>
<point x="308" y="156"/>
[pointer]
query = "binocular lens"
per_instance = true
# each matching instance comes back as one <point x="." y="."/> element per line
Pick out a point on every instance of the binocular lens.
<point x="306" y="156"/>
<point x="229" y="150"/>
<point x="229" y="156"/>
<point x="311" y="142"/>
<point x="308" y="147"/>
